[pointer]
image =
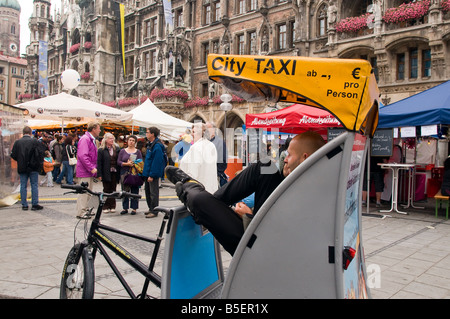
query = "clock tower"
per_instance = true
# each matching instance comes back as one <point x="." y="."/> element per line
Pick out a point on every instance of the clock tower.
<point x="10" y="27"/>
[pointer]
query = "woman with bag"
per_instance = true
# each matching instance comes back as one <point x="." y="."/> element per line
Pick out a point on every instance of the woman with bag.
<point x="107" y="169"/>
<point x="130" y="158"/>
<point x="48" y="168"/>
<point x="68" y="159"/>
<point x="56" y="154"/>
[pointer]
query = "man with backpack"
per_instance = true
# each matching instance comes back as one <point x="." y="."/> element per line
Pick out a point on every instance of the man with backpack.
<point x="154" y="164"/>
<point x="29" y="155"/>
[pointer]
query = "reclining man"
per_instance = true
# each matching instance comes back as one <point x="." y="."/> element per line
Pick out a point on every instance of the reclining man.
<point x="214" y="211"/>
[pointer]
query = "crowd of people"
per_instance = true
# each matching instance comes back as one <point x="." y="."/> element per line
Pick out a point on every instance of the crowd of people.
<point x="223" y="207"/>
<point x="132" y="165"/>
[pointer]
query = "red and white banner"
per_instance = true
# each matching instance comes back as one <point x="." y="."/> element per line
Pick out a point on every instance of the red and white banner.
<point x="296" y="118"/>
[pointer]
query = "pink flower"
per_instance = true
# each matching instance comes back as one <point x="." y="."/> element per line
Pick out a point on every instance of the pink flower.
<point x="445" y="5"/>
<point x="196" y="101"/>
<point x="352" y="24"/>
<point x="74" y="48"/>
<point x="168" y="94"/>
<point x="407" y="11"/>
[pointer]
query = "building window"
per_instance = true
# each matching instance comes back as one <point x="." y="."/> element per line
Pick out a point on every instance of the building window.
<point x="147" y="61"/>
<point x="13" y="70"/>
<point x="215" y="11"/>
<point x="401" y="66"/>
<point x="291" y="33"/>
<point x="129" y="35"/>
<point x="204" y="89"/>
<point x="322" y="22"/>
<point x="126" y="31"/>
<point x="2" y="83"/>
<point x="373" y="62"/>
<point x="426" y="63"/>
<point x="253" y="5"/>
<point x="281" y="36"/>
<point x="206" y="14"/>
<point x="215" y="46"/>
<point x="205" y="52"/>
<point x="179" y="17"/>
<point x="18" y="83"/>
<point x="251" y="42"/>
<point x="129" y="65"/>
<point x="152" y="60"/>
<point x="132" y="34"/>
<point x="413" y="63"/>
<point x="240" y="44"/>
<point x="240" y="6"/>
<point x="150" y="27"/>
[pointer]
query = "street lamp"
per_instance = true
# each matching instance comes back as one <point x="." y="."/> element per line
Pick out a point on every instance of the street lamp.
<point x="225" y="106"/>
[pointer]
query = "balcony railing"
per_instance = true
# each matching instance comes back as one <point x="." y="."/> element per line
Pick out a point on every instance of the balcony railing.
<point x="403" y="16"/>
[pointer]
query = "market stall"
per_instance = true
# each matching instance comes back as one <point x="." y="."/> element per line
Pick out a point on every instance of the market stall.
<point x="65" y="107"/>
<point x="147" y="114"/>
<point x="421" y="121"/>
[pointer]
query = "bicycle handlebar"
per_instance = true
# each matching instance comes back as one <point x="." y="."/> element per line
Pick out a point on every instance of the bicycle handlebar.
<point x="84" y="188"/>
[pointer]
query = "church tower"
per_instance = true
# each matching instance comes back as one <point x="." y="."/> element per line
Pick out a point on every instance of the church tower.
<point x="10" y="27"/>
<point x="41" y="26"/>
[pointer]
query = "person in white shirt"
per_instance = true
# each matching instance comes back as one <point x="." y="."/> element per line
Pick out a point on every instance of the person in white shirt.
<point x="200" y="161"/>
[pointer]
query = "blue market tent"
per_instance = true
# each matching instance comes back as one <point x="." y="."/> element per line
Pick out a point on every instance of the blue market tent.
<point x="429" y="107"/>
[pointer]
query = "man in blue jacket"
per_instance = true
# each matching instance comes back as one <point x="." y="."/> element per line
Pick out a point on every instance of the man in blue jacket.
<point x="154" y="164"/>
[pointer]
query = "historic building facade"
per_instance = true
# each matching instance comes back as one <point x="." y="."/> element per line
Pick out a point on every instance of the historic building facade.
<point x="12" y="67"/>
<point x="409" y="49"/>
<point x="10" y="27"/>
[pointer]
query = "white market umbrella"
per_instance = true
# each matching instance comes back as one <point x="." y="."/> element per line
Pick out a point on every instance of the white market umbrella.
<point x="65" y="106"/>
<point x="147" y="114"/>
<point x="40" y="124"/>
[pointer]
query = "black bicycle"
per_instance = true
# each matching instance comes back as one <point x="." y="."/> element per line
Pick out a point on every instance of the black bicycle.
<point x="78" y="277"/>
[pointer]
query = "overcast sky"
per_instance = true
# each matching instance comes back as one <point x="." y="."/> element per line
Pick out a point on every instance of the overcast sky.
<point x="25" y="13"/>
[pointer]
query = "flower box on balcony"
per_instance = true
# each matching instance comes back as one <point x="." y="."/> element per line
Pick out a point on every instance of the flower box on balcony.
<point x="74" y="48"/>
<point x="407" y="11"/>
<point x="352" y="24"/>
<point x="196" y="101"/>
<point x="87" y="45"/>
<point x="28" y="96"/>
<point x="169" y="94"/>
<point x="445" y="6"/>
<point x="86" y="76"/>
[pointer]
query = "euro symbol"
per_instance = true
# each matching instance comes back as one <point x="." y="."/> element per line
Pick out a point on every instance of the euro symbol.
<point x="355" y="73"/>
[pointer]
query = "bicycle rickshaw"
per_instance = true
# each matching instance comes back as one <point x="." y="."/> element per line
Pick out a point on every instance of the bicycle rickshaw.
<point x="305" y="241"/>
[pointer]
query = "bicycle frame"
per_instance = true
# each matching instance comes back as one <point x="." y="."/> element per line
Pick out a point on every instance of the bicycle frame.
<point x="97" y="239"/>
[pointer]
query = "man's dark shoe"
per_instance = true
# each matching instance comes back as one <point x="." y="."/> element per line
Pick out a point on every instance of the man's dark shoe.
<point x="175" y="175"/>
<point x="36" y="207"/>
<point x="24" y="207"/>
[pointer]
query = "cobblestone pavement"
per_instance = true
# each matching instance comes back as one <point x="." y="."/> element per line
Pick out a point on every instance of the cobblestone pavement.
<point x="407" y="256"/>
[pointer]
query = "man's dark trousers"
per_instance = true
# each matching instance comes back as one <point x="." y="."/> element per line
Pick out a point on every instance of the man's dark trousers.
<point x="223" y="223"/>
<point x="152" y="194"/>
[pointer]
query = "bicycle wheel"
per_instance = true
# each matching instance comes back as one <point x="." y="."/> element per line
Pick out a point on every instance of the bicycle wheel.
<point x="77" y="280"/>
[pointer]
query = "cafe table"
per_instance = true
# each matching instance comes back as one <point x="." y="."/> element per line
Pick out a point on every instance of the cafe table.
<point x="396" y="167"/>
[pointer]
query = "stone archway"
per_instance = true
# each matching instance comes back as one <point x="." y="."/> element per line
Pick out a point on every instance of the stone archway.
<point x="233" y="133"/>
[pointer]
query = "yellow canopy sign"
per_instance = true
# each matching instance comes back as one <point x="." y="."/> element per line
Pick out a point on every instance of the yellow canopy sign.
<point x="346" y="88"/>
